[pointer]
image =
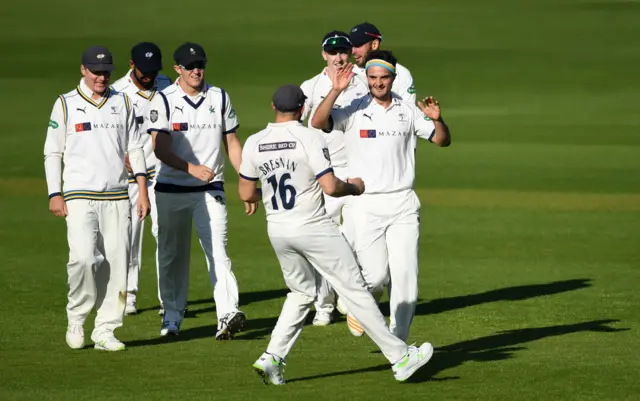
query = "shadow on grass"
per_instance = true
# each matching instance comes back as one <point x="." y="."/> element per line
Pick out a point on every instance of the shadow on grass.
<point x="496" y="347"/>
<point x="517" y="293"/>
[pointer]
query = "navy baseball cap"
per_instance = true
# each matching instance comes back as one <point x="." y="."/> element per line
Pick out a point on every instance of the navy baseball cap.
<point x="336" y="40"/>
<point x="188" y="53"/>
<point x="288" y="98"/>
<point x="364" y="33"/>
<point x="98" y="58"/>
<point x="147" y="57"/>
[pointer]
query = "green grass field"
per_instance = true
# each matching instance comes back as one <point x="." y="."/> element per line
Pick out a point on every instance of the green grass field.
<point x="530" y="220"/>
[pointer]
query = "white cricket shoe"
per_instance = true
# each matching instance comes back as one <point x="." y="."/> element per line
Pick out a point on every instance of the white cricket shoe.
<point x="75" y="336"/>
<point x="270" y="368"/>
<point x="170" y="328"/>
<point x="230" y="324"/>
<point x="109" y="342"/>
<point x="354" y="326"/>
<point x="131" y="308"/>
<point x="322" y="319"/>
<point x="341" y="307"/>
<point x="414" y="359"/>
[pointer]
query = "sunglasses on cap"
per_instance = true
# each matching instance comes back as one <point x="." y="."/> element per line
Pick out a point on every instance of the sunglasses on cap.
<point x="201" y="65"/>
<point x="334" y="40"/>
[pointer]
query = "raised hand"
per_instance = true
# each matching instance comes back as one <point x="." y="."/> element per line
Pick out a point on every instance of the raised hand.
<point x="342" y="77"/>
<point x="430" y="107"/>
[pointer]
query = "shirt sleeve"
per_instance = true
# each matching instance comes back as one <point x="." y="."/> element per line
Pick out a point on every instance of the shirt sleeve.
<point x="229" y="119"/>
<point x="307" y="89"/>
<point x="54" y="147"/>
<point x="247" y="167"/>
<point x="158" y="114"/>
<point x="318" y="156"/>
<point x="404" y="87"/>
<point x="423" y="126"/>
<point x="134" y="147"/>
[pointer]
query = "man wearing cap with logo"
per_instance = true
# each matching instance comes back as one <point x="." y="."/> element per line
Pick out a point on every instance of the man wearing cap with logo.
<point x="292" y="163"/>
<point x="383" y="223"/>
<point x="366" y="38"/>
<point x="336" y="49"/>
<point x="141" y="83"/>
<point x="189" y="122"/>
<point x="91" y="130"/>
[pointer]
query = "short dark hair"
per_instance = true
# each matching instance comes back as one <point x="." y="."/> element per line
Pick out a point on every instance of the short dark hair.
<point x="385" y="55"/>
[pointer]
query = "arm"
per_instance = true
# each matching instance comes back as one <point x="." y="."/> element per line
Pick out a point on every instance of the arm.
<point x="333" y="186"/>
<point x="136" y="159"/>
<point x="248" y="191"/>
<point x="54" y="146"/>
<point x="307" y="89"/>
<point x="321" y="117"/>
<point x="234" y="149"/>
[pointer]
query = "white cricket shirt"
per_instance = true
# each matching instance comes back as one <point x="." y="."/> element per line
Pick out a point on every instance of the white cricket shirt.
<point x="380" y="142"/>
<point x="403" y="85"/>
<point x="288" y="158"/>
<point x="315" y="89"/>
<point x="140" y="99"/>
<point x="197" y="125"/>
<point x="91" y="137"/>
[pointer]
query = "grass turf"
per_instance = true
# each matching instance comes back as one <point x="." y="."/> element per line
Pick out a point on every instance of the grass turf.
<point x="529" y="249"/>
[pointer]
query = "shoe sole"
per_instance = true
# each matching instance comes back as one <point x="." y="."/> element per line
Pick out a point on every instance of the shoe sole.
<point x="101" y="348"/>
<point x="417" y="366"/>
<point x="75" y="347"/>
<point x="235" y="325"/>
<point x="320" y="323"/>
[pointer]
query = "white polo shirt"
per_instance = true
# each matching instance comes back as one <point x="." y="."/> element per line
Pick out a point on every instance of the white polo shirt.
<point x="197" y="125"/>
<point x="316" y="89"/>
<point x="91" y="138"/>
<point x="140" y="99"/>
<point x="380" y="142"/>
<point x="288" y="158"/>
<point x="403" y="85"/>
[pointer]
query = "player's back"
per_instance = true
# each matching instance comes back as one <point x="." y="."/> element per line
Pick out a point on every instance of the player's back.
<point x="288" y="158"/>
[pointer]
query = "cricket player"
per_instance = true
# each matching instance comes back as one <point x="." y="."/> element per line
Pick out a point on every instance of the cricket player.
<point x="384" y="223"/>
<point x="293" y="165"/>
<point x="366" y="38"/>
<point x="336" y="49"/>
<point x="190" y="121"/>
<point x="91" y="130"/>
<point x="141" y="83"/>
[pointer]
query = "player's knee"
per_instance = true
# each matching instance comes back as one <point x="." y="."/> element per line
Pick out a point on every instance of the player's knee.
<point x="378" y="278"/>
<point x="302" y="298"/>
<point x="84" y="259"/>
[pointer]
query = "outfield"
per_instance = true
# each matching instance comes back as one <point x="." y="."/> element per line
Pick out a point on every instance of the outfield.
<point x="530" y="220"/>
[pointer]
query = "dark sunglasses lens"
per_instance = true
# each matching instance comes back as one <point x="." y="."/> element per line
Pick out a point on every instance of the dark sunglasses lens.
<point x="198" y="64"/>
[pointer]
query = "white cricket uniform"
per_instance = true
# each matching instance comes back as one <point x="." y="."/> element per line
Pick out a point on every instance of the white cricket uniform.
<point x="140" y="99"/>
<point x="315" y="89"/>
<point x="91" y="138"/>
<point x="383" y="224"/>
<point x="288" y="158"/>
<point x="197" y="125"/>
<point x="403" y="85"/>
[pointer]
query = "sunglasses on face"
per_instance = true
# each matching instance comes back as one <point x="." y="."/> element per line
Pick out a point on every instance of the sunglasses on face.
<point x="201" y="65"/>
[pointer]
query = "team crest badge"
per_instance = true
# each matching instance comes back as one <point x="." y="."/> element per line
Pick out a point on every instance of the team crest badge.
<point x="325" y="151"/>
<point x="153" y="116"/>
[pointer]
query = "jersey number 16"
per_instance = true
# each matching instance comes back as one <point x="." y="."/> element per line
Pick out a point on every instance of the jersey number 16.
<point x="284" y="190"/>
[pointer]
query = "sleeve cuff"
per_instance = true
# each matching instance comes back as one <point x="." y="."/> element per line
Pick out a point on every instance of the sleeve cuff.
<point x="234" y="129"/>
<point x="327" y="171"/>
<point x="248" y="178"/>
<point x="140" y="175"/>
<point x="433" y="133"/>
<point x="55" y="194"/>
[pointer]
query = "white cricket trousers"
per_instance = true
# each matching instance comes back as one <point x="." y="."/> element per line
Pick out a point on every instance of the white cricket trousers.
<point x="385" y="228"/>
<point x="98" y="233"/>
<point x="137" y="234"/>
<point x="176" y="212"/>
<point x="321" y="248"/>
